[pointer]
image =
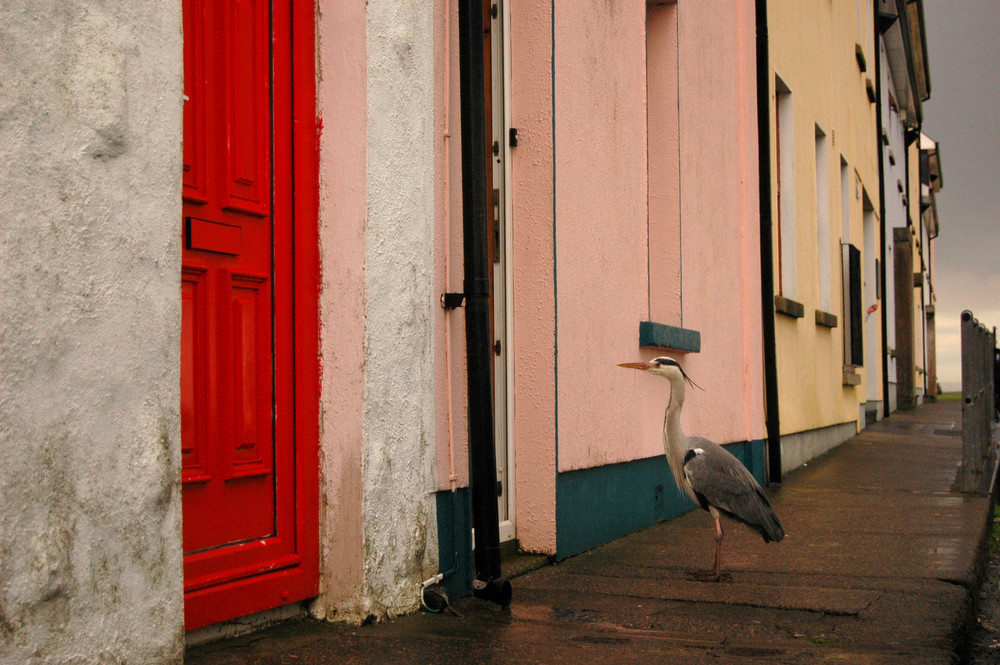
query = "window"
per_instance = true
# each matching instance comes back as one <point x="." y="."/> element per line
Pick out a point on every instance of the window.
<point x="854" y="353"/>
<point x="845" y="201"/>
<point x="823" y="254"/>
<point x="785" y="178"/>
<point x="663" y="177"/>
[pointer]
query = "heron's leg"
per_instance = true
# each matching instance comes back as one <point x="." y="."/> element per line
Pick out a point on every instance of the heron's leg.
<point x="719" y="533"/>
<point x="716" y="574"/>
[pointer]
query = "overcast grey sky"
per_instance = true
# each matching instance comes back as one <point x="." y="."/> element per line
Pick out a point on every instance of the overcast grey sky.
<point x="963" y="115"/>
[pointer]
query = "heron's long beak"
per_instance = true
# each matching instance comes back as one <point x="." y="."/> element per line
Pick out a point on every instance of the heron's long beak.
<point x="643" y="365"/>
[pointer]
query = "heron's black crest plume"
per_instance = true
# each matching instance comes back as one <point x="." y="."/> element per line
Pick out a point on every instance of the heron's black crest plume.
<point x="670" y="361"/>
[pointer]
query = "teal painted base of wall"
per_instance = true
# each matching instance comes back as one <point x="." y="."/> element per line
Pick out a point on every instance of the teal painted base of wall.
<point x="454" y="522"/>
<point x="593" y="506"/>
<point x="598" y="505"/>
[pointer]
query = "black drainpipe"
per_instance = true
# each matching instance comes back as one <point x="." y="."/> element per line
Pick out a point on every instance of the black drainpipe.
<point x="766" y="254"/>
<point x="881" y="212"/>
<point x="478" y="335"/>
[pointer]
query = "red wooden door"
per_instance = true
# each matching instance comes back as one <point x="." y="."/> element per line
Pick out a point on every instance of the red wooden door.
<point x="249" y="526"/>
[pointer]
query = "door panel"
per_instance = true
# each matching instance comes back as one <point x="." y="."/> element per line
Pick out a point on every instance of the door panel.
<point x="245" y="529"/>
<point x="247" y="101"/>
<point x="230" y="495"/>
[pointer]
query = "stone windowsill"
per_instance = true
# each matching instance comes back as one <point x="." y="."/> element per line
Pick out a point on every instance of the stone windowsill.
<point x="789" y="307"/>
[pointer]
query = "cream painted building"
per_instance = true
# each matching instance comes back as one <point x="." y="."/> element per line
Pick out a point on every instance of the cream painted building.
<point x="825" y="194"/>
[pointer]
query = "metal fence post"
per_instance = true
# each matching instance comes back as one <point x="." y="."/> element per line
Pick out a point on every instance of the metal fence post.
<point x="989" y="403"/>
<point x="978" y="405"/>
<point x="969" y="461"/>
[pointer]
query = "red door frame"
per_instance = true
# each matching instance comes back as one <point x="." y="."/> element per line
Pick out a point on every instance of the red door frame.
<point x="236" y="593"/>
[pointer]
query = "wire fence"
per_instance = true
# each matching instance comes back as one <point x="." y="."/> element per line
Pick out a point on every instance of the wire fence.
<point x="979" y="405"/>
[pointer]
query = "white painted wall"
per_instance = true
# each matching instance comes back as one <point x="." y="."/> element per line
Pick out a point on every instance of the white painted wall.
<point x="90" y="175"/>
<point x="895" y="208"/>
<point x="398" y="461"/>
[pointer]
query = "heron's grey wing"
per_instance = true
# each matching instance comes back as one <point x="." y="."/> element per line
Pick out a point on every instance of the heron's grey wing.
<point x="721" y="480"/>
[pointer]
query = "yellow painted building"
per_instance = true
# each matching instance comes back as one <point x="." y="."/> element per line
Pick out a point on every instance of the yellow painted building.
<point x="825" y="228"/>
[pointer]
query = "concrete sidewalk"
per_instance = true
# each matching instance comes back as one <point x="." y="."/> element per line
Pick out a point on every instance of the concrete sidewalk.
<point x="880" y="565"/>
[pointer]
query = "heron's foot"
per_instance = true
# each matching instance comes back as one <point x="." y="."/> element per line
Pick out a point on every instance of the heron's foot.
<point x="709" y="576"/>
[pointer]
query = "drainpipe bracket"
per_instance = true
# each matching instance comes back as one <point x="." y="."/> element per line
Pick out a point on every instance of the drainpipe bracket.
<point x="452" y="300"/>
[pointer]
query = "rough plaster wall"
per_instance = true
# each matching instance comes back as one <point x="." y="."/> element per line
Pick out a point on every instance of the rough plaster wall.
<point x="398" y="458"/>
<point x="90" y="122"/>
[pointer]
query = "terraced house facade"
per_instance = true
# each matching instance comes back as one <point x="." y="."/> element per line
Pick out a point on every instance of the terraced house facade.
<point x="296" y="294"/>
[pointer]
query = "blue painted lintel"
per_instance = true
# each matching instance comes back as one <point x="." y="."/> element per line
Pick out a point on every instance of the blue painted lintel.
<point x="669" y="337"/>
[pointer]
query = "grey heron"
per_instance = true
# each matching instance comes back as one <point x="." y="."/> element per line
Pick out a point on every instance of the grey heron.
<point x="708" y="473"/>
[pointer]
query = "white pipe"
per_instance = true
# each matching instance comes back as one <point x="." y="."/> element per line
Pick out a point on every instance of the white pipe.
<point x="432" y="581"/>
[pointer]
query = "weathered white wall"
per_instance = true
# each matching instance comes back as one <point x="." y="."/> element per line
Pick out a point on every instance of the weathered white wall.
<point x="377" y="235"/>
<point x="398" y="461"/>
<point x="90" y="159"/>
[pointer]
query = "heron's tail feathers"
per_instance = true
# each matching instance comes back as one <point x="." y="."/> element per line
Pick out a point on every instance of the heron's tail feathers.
<point x="771" y="529"/>
<point x="761" y="518"/>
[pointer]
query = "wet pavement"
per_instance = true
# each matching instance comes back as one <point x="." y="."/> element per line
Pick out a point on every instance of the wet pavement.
<point x="880" y="565"/>
<point x="985" y="642"/>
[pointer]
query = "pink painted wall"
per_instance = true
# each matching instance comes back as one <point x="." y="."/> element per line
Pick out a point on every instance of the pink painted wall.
<point x="720" y="216"/>
<point x="582" y="237"/>
<point x="601" y="242"/>
<point x="532" y="262"/>
<point x="341" y="99"/>
<point x="691" y="260"/>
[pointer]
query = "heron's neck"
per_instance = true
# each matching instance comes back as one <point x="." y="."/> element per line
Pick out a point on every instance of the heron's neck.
<point x="674" y="440"/>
